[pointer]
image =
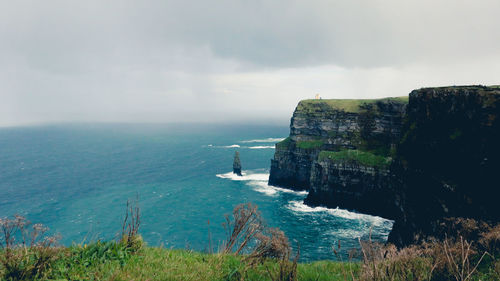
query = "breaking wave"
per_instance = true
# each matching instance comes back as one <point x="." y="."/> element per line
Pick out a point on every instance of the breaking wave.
<point x="264" y="140"/>
<point x="263" y="187"/>
<point x="258" y="182"/>
<point x="298" y="206"/>
<point x="222" y="146"/>
<point x="231" y="146"/>
<point x="245" y="176"/>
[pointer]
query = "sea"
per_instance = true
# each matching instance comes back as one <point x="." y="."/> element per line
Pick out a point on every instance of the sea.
<point x="76" y="180"/>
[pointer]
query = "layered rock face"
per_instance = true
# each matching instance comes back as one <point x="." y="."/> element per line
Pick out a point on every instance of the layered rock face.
<point x="352" y="186"/>
<point x="448" y="160"/>
<point x="419" y="163"/>
<point x="237" y="164"/>
<point x="340" y="150"/>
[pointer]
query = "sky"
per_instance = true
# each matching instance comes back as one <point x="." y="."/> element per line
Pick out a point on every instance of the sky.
<point x="229" y="61"/>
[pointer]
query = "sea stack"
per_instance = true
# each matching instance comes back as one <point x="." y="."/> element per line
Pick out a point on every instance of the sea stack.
<point x="237" y="164"/>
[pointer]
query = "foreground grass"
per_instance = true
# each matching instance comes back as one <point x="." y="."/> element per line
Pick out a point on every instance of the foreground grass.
<point x="162" y="264"/>
<point x="129" y="259"/>
<point x="107" y="261"/>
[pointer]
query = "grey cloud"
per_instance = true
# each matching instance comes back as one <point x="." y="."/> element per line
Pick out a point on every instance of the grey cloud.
<point x="178" y="60"/>
<point x="270" y="33"/>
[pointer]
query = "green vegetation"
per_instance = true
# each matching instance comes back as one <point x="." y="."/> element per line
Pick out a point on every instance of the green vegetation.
<point x="284" y="143"/>
<point x="130" y="259"/>
<point x="466" y="87"/>
<point x="347" y="105"/>
<point x="165" y="264"/>
<point x="311" y="144"/>
<point x="356" y="156"/>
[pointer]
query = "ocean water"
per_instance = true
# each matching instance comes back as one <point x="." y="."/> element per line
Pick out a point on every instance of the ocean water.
<point x="76" y="179"/>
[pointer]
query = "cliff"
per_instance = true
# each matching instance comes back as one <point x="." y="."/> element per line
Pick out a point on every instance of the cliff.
<point x="341" y="151"/>
<point x="418" y="162"/>
<point x="448" y="161"/>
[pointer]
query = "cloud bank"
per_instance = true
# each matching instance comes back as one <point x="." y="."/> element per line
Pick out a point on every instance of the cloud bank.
<point x="230" y="60"/>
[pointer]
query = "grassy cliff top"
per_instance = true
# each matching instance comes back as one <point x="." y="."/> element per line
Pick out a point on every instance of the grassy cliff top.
<point x="347" y="105"/>
<point x="492" y="89"/>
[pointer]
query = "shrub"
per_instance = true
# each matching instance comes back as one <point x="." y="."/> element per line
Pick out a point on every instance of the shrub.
<point x="287" y="270"/>
<point x="32" y="255"/>
<point x="459" y="259"/>
<point x="272" y="244"/>
<point x="242" y="227"/>
<point x="490" y="241"/>
<point x="386" y="262"/>
<point x="439" y="260"/>
<point x="130" y="227"/>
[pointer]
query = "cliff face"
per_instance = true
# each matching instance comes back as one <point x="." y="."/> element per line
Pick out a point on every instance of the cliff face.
<point x="352" y="186"/>
<point x="419" y="163"/>
<point x="341" y="151"/>
<point x="448" y="160"/>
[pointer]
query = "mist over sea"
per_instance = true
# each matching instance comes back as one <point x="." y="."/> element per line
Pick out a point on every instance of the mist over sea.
<point x="76" y="180"/>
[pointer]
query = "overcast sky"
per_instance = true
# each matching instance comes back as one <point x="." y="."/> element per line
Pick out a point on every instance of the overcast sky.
<point x="231" y="60"/>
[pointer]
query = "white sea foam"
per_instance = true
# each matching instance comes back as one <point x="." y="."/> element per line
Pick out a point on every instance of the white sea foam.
<point x="349" y="233"/>
<point x="299" y="206"/>
<point x="264" y="140"/>
<point x="262" y="186"/>
<point x="258" y="181"/>
<point x="261" y="147"/>
<point x="244" y="177"/>
<point x="231" y="146"/>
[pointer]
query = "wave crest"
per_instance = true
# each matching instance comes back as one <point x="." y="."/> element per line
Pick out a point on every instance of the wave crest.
<point x="258" y="181"/>
<point x="298" y="206"/>
<point x="263" y="140"/>
<point x="231" y="146"/>
<point x="244" y="177"/>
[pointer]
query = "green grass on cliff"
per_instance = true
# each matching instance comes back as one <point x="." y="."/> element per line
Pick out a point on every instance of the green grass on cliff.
<point x="311" y="144"/>
<point x="107" y="261"/>
<point x="284" y="143"/>
<point x="347" y="105"/>
<point x="356" y="156"/>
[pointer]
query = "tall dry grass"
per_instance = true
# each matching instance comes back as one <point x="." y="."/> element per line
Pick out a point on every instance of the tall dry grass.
<point x="130" y="236"/>
<point x="246" y="230"/>
<point x="26" y="251"/>
<point x="447" y="259"/>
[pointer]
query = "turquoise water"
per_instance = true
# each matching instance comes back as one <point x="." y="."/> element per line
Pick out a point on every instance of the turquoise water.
<point x="76" y="180"/>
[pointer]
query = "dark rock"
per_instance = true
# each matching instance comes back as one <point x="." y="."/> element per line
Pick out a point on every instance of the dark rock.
<point x="448" y="160"/>
<point x="351" y="186"/>
<point x="237" y="164"/>
<point x="430" y="166"/>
